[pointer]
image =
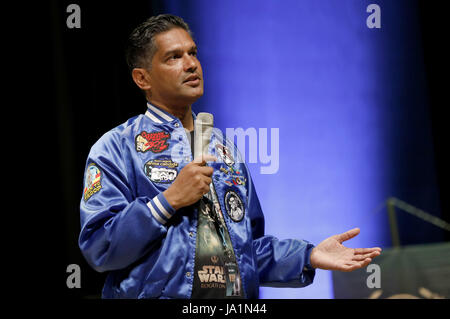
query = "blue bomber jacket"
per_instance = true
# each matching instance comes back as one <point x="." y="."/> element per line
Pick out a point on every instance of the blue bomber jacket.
<point x="129" y="230"/>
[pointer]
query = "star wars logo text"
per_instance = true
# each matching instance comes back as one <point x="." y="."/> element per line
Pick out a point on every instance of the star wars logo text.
<point x="212" y="277"/>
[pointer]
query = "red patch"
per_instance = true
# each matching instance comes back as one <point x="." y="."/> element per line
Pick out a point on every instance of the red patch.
<point x="154" y="141"/>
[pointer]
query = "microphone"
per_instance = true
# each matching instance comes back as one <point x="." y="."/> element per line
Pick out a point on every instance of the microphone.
<point x="203" y="126"/>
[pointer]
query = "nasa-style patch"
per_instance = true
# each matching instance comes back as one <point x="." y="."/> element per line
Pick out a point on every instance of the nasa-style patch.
<point x="225" y="153"/>
<point x="234" y="206"/>
<point x="92" y="181"/>
<point x="161" y="170"/>
<point x="155" y="142"/>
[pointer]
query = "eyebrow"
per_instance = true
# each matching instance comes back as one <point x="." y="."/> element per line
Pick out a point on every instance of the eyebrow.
<point x="194" y="47"/>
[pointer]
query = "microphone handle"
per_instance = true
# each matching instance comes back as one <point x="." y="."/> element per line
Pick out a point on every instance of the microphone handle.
<point x="202" y="135"/>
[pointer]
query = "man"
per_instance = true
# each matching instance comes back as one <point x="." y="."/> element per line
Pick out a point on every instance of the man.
<point x="185" y="238"/>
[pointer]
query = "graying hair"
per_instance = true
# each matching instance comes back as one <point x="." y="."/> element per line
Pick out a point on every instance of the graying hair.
<point x="141" y="42"/>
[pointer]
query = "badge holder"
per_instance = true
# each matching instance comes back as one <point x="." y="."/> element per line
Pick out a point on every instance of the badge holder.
<point x="232" y="279"/>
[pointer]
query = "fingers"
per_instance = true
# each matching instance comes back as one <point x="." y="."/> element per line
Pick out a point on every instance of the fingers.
<point x="356" y="265"/>
<point x="203" y="175"/>
<point x="205" y="188"/>
<point x="205" y="178"/>
<point x="347" y="235"/>
<point x="364" y="263"/>
<point x="205" y="170"/>
<point x="362" y="257"/>
<point x="200" y="185"/>
<point x="359" y="251"/>
<point x="199" y="165"/>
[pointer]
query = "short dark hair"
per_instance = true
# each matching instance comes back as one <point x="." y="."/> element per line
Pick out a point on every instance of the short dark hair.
<point x="141" y="45"/>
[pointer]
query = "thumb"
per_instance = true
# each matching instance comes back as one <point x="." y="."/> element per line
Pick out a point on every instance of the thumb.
<point x="348" y="235"/>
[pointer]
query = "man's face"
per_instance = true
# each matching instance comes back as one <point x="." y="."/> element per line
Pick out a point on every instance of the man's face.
<point x="176" y="76"/>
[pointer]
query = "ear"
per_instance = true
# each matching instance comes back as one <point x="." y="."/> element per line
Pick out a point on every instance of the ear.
<point x="141" y="78"/>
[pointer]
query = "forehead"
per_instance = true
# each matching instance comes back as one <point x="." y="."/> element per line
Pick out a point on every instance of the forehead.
<point x="174" y="39"/>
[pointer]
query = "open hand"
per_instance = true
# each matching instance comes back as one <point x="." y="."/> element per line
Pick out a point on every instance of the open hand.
<point x="330" y="254"/>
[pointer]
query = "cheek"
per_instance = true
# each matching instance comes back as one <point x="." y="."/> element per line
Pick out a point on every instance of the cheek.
<point x="166" y="77"/>
<point x="170" y="77"/>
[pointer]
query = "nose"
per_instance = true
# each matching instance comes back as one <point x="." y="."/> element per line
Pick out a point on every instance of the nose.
<point x="190" y="63"/>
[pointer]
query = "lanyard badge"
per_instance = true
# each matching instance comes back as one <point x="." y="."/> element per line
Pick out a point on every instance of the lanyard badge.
<point x="232" y="276"/>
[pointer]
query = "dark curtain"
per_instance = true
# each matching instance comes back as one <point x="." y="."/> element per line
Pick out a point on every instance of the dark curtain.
<point x="434" y="30"/>
<point x="92" y="93"/>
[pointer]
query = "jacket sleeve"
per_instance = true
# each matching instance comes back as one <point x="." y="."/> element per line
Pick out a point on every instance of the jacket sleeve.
<point x="281" y="263"/>
<point x="116" y="228"/>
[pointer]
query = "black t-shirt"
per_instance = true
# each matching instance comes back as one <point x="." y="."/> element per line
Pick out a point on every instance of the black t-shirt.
<point x="192" y="141"/>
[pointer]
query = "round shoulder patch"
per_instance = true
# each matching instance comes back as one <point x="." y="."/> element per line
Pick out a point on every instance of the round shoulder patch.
<point x="92" y="181"/>
<point x="235" y="207"/>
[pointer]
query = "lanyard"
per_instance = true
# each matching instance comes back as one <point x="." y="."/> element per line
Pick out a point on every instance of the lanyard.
<point x="218" y="219"/>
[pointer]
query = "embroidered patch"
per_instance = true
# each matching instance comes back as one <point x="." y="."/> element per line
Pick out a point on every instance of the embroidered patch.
<point x="234" y="206"/>
<point x="161" y="170"/>
<point x="225" y="153"/>
<point x="154" y="141"/>
<point x="239" y="180"/>
<point x="236" y="177"/>
<point x="92" y="181"/>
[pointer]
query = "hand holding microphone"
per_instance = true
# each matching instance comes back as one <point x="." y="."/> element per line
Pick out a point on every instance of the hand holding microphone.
<point x="194" y="179"/>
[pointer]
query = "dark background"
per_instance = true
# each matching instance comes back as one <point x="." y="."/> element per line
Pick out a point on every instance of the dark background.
<point x="81" y="92"/>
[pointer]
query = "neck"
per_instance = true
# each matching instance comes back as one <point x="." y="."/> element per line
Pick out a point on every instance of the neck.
<point x="183" y="113"/>
<point x="185" y="117"/>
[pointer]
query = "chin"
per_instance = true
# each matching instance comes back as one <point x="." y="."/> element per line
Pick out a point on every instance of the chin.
<point x="194" y="96"/>
<point x="188" y="96"/>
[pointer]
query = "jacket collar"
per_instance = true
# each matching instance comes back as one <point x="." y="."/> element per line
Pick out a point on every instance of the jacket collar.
<point x="157" y="115"/>
<point x="160" y="116"/>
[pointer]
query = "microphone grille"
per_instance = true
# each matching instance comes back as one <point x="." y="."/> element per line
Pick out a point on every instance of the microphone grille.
<point x="205" y="118"/>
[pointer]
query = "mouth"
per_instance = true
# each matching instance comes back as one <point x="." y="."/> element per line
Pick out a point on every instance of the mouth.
<point x="192" y="80"/>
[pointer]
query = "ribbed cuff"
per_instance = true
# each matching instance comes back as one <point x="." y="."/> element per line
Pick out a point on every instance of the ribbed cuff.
<point x="160" y="208"/>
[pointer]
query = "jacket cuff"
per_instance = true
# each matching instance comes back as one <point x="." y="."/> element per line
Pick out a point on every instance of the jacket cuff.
<point x="160" y="208"/>
<point x="307" y="265"/>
